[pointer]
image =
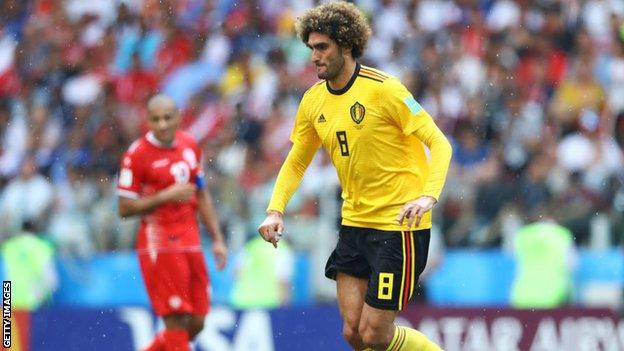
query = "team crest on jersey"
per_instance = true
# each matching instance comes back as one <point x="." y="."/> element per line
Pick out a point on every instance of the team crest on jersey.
<point x="357" y="112"/>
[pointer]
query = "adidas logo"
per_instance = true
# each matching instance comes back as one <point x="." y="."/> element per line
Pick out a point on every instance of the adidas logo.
<point x="321" y="119"/>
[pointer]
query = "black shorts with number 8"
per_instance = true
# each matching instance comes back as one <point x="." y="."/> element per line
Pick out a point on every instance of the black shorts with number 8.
<point x="392" y="261"/>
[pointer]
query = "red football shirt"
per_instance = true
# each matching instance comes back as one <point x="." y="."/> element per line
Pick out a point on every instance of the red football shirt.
<point x="148" y="167"/>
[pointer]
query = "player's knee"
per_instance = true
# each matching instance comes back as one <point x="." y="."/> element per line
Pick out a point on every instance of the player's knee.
<point x="350" y="333"/>
<point x="195" y="327"/>
<point x="176" y="321"/>
<point x="374" y="335"/>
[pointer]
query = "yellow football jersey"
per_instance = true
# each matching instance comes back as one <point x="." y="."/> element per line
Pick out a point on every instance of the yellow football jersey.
<point x="375" y="133"/>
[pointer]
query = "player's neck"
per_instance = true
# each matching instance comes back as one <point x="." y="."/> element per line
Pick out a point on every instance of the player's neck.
<point x="343" y="78"/>
<point x="160" y="143"/>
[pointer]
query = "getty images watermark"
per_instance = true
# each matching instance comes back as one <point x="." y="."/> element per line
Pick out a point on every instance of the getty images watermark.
<point x="6" y="313"/>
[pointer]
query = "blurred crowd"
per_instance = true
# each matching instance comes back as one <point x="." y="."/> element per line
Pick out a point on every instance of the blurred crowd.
<point x="531" y="93"/>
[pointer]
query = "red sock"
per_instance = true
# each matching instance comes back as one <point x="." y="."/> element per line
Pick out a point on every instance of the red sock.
<point x="157" y="344"/>
<point x="176" y="340"/>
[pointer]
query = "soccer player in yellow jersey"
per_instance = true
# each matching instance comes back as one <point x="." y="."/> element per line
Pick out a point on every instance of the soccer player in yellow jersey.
<point x="375" y="133"/>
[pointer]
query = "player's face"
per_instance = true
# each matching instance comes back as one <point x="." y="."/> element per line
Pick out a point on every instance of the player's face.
<point x="327" y="56"/>
<point x="163" y="122"/>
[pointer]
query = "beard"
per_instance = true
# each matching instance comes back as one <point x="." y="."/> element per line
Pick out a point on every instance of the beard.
<point x="333" y="68"/>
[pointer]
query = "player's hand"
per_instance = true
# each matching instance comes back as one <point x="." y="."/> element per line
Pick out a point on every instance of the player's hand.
<point x="414" y="211"/>
<point x="219" y="251"/>
<point x="272" y="227"/>
<point x="179" y="192"/>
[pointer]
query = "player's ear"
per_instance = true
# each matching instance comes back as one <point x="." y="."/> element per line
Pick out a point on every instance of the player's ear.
<point x="346" y="51"/>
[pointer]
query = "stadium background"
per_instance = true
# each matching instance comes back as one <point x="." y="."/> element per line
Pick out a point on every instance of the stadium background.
<point x="531" y="93"/>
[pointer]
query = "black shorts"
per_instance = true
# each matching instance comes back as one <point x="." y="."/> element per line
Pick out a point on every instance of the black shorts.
<point x="391" y="261"/>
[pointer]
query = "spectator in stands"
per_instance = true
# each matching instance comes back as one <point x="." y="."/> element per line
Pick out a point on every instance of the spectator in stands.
<point x="27" y="197"/>
<point x="13" y="140"/>
<point x="579" y="92"/>
<point x="70" y="223"/>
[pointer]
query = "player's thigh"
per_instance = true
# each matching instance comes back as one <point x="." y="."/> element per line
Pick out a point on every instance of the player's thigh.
<point x="397" y="259"/>
<point x="348" y="257"/>
<point x="351" y="292"/>
<point x="167" y="279"/>
<point x="164" y="268"/>
<point x="199" y="283"/>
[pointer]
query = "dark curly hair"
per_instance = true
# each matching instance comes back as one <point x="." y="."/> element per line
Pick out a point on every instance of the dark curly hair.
<point x="343" y="22"/>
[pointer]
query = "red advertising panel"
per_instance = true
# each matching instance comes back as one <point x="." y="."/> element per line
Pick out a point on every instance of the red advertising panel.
<point x="459" y="329"/>
<point x="17" y="331"/>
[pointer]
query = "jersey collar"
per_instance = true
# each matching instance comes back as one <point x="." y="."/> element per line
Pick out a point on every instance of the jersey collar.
<point x="349" y="83"/>
<point x="152" y="140"/>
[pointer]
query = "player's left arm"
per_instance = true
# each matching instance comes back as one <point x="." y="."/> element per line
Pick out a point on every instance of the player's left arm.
<point x="440" y="153"/>
<point x="208" y="215"/>
<point x="411" y="118"/>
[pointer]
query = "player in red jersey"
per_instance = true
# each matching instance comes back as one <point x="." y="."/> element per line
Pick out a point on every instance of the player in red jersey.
<point x="161" y="179"/>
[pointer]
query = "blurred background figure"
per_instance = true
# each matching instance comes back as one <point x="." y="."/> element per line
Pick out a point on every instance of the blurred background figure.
<point x="29" y="264"/>
<point x="546" y="257"/>
<point x="162" y="181"/>
<point x="263" y="275"/>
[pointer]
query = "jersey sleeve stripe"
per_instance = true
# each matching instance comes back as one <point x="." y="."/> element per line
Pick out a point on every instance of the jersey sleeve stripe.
<point x="127" y="193"/>
<point x="367" y="77"/>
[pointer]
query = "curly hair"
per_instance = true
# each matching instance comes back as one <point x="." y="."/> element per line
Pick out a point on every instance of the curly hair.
<point x="343" y="22"/>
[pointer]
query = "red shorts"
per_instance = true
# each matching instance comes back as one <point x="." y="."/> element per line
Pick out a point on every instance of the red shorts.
<point x="176" y="282"/>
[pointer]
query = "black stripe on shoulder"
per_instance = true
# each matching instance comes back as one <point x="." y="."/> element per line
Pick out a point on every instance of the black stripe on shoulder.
<point x="375" y="71"/>
<point x="372" y="75"/>
<point x="371" y="78"/>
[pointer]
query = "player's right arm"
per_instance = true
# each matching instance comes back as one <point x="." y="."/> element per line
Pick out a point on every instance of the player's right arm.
<point x="287" y="182"/>
<point x="305" y="143"/>
<point x="139" y="206"/>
